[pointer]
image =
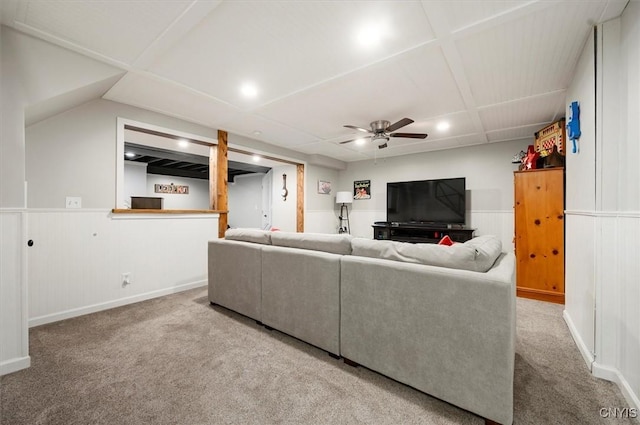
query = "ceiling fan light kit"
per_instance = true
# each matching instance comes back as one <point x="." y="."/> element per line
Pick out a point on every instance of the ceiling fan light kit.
<point x="382" y="130"/>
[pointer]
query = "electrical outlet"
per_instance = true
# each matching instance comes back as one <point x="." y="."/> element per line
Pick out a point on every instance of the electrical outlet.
<point x="127" y="279"/>
<point x="74" y="202"/>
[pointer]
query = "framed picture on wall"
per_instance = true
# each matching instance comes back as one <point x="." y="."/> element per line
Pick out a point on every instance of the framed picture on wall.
<point x="362" y="189"/>
<point x="324" y="187"/>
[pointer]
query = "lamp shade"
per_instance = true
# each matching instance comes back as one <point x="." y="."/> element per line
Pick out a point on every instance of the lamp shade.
<point x="344" y="198"/>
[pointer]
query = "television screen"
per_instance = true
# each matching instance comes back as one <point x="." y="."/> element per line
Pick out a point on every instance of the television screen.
<point x="439" y="201"/>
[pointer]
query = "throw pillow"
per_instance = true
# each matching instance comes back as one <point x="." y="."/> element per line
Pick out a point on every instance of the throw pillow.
<point x="446" y="241"/>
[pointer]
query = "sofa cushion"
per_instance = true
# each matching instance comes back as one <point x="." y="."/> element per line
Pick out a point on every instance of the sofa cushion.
<point x="488" y="249"/>
<point x="249" y="235"/>
<point x="477" y="256"/>
<point x="335" y="244"/>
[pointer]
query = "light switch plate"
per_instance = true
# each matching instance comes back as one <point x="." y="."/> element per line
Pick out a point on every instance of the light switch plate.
<point x="74" y="202"/>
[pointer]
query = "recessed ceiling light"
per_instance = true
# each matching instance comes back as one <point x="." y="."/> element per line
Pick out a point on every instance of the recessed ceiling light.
<point x="249" y="90"/>
<point x="256" y="158"/>
<point x="370" y="35"/>
<point x="360" y="142"/>
<point x="129" y="154"/>
<point x="257" y="132"/>
<point x="183" y="144"/>
<point x="443" y="126"/>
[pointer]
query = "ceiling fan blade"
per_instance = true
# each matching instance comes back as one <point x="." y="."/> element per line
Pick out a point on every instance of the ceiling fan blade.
<point x="399" y="124"/>
<point x="347" y="141"/>
<point x="358" y="128"/>
<point x="410" y="135"/>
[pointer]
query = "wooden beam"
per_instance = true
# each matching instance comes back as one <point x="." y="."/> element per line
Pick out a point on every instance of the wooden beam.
<point x="213" y="177"/>
<point x="221" y="181"/>
<point x="300" y="198"/>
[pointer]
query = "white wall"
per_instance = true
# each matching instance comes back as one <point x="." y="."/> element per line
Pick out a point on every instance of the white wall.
<point x="80" y="142"/>
<point x="283" y="213"/>
<point x="135" y="180"/>
<point x="77" y="260"/>
<point x="489" y="180"/>
<point x="603" y="229"/>
<point x="21" y="56"/>
<point x="580" y="201"/>
<point x="14" y="351"/>
<point x="196" y="199"/>
<point x="14" y="342"/>
<point x="321" y="211"/>
<point x="14" y="101"/>
<point x="618" y="211"/>
<point x="245" y="201"/>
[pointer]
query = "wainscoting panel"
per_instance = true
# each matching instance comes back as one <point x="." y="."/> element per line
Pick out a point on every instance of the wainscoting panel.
<point x="77" y="262"/>
<point x="603" y="294"/>
<point x="362" y="220"/>
<point x="322" y="221"/>
<point x="629" y="295"/>
<point x="580" y="260"/>
<point x="618" y="294"/>
<point x="14" y="344"/>
<point x="499" y="223"/>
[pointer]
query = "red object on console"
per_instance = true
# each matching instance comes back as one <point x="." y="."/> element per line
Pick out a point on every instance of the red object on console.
<point x="446" y="241"/>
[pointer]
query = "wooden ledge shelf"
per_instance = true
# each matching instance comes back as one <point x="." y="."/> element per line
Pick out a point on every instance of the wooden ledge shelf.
<point x="150" y="211"/>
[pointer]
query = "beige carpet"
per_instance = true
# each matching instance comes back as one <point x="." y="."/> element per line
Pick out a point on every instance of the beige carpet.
<point x="177" y="360"/>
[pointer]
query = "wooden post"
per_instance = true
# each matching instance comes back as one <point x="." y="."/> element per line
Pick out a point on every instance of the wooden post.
<point x="213" y="177"/>
<point x="300" y="198"/>
<point x="218" y="168"/>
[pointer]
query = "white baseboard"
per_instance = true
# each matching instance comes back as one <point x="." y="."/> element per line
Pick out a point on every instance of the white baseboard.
<point x="582" y="347"/>
<point x="14" y="365"/>
<point x="601" y="371"/>
<point x="614" y="375"/>
<point x="42" y="320"/>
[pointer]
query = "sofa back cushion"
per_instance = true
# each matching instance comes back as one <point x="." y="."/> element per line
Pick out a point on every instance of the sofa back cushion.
<point x="335" y="244"/>
<point x="488" y="248"/>
<point x="249" y="235"/>
<point x="478" y="256"/>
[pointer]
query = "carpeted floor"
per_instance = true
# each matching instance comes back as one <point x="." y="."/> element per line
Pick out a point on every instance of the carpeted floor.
<point x="177" y="360"/>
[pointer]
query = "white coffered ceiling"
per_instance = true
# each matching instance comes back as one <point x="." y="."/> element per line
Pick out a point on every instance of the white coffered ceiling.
<point x="495" y="70"/>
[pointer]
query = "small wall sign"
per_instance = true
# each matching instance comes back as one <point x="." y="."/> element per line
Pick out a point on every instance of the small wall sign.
<point x="176" y="189"/>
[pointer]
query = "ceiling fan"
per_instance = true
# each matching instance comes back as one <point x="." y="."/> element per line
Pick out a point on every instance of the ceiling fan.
<point x="382" y="130"/>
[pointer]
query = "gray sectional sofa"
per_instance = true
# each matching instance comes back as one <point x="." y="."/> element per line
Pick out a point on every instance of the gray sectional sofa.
<point x="438" y="318"/>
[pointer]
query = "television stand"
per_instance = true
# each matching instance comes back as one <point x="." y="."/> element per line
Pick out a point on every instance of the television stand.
<point x="420" y="233"/>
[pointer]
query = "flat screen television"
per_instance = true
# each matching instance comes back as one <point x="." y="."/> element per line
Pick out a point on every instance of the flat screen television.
<point x="436" y="202"/>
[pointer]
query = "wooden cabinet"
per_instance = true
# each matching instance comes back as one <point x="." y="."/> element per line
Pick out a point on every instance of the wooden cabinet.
<point x="539" y="234"/>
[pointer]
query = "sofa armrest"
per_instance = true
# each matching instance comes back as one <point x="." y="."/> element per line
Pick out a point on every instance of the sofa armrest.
<point x="235" y="276"/>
